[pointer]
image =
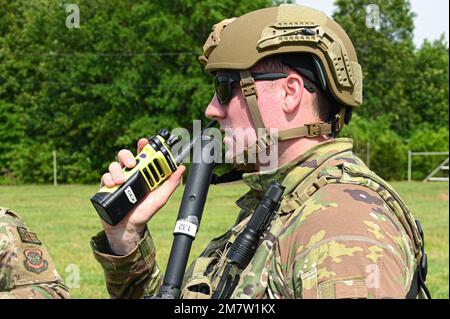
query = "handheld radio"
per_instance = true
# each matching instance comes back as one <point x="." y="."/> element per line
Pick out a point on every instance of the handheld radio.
<point x="154" y="164"/>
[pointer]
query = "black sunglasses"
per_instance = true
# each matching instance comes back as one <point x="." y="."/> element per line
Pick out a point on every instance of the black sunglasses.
<point x="223" y="83"/>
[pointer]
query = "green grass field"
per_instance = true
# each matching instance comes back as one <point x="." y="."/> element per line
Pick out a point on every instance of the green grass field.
<point x="65" y="220"/>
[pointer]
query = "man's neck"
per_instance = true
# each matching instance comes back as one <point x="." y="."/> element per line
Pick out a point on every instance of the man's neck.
<point x="292" y="149"/>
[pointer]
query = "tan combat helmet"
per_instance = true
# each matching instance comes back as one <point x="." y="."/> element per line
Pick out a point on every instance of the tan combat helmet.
<point x="239" y="43"/>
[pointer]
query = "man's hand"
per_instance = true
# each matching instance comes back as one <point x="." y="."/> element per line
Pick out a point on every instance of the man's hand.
<point x="125" y="236"/>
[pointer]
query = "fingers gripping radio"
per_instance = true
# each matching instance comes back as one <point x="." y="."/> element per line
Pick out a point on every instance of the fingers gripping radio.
<point x="154" y="164"/>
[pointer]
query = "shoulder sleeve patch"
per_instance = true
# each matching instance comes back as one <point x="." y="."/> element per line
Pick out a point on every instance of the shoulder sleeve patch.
<point x="27" y="236"/>
<point x="35" y="261"/>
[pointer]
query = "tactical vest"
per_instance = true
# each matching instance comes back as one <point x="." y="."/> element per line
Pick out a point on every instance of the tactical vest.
<point x="211" y="276"/>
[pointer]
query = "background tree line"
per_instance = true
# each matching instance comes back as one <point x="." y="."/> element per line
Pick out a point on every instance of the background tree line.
<point x="131" y="68"/>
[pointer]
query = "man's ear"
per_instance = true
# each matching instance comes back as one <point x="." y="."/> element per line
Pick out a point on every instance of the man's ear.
<point x="293" y="89"/>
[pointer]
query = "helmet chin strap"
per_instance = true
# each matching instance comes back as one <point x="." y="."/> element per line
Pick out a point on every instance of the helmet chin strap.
<point x="248" y="88"/>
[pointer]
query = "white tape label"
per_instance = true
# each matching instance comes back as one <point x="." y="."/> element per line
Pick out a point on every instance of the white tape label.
<point x="130" y="195"/>
<point x="185" y="227"/>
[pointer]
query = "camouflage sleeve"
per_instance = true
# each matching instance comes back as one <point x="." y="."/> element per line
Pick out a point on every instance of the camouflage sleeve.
<point x="26" y="268"/>
<point x="130" y="276"/>
<point x="344" y="242"/>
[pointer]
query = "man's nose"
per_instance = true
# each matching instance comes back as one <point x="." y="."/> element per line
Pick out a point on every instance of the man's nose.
<point x="215" y="110"/>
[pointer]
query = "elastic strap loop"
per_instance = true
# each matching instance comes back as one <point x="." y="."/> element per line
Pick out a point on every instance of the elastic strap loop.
<point x="248" y="88"/>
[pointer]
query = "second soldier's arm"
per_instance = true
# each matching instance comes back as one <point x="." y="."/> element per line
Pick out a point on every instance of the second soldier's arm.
<point x="26" y="268"/>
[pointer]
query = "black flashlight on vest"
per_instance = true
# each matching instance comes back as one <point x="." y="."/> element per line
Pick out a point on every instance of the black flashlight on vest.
<point x="243" y="248"/>
<point x="154" y="164"/>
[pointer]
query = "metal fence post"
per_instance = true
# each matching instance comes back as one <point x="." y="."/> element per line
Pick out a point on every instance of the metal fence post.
<point x="409" y="165"/>
<point x="55" y="176"/>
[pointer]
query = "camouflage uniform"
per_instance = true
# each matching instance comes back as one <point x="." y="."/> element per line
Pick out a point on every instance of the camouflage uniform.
<point x="26" y="269"/>
<point x="340" y="232"/>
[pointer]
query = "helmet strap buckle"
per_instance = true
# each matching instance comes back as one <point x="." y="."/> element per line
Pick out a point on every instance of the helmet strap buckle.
<point x="248" y="88"/>
<point x="314" y="129"/>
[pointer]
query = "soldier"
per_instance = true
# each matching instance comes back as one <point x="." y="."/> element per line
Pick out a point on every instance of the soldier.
<point x="341" y="231"/>
<point x="26" y="269"/>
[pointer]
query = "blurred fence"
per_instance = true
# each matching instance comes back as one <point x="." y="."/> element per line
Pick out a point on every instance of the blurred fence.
<point x="431" y="177"/>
